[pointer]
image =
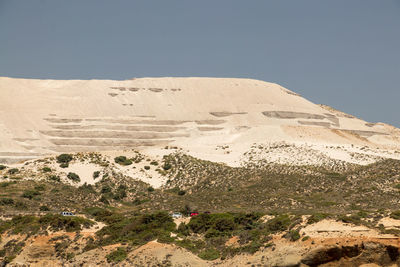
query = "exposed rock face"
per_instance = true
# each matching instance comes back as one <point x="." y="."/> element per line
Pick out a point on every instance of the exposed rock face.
<point x="51" y="116"/>
<point x="369" y="252"/>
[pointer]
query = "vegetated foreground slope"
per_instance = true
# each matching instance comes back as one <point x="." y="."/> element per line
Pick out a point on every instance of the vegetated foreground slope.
<point x="268" y="214"/>
<point x="211" y="118"/>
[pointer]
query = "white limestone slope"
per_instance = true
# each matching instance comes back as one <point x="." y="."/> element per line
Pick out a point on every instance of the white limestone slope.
<point x="212" y="118"/>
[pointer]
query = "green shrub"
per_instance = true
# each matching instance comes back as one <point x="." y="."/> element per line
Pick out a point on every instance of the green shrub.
<point x="200" y="223"/>
<point x="122" y="160"/>
<point x="46" y="169"/>
<point x="64" y="165"/>
<point x="146" y="167"/>
<point x="154" y="163"/>
<point x="73" y="177"/>
<point x="106" y="189"/>
<point x="167" y="166"/>
<point x="20" y="205"/>
<point x="55" y="178"/>
<point x="209" y="254"/>
<point x="150" y="189"/>
<point x="354" y="219"/>
<point x="117" y="256"/>
<point x="120" y="194"/>
<point x="137" y="230"/>
<point x="96" y="174"/>
<point x="165" y="238"/>
<point x="316" y="218"/>
<point x="183" y="229"/>
<point x="218" y="224"/>
<point x="13" y="171"/>
<point x="58" y="222"/>
<point x="138" y="201"/>
<point x="44" y="208"/>
<point x="181" y="192"/>
<point x="2" y="167"/>
<point x="6" y="201"/>
<point x="294" y="235"/>
<point x="30" y="194"/>
<point x="31" y="224"/>
<point x="224" y="224"/>
<point x="279" y="223"/>
<point x="5" y="184"/>
<point x="395" y="215"/>
<point x="40" y="187"/>
<point x="104" y="200"/>
<point x="64" y="158"/>
<point x="191" y="245"/>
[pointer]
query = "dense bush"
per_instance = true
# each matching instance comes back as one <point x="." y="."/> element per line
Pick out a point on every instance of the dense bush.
<point x="209" y="254"/>
<point x="120" y="193"/>
<point x="137" y="229"/>
<point x="294" y="235"/>
<point x="181" y="192"/>
<point x="55" y="178"/>
<point x="6" y="201"/>
<point x="2" y="167"/>
<point x="40" y="187"/>
<point x="68" y="223"/>
<point x="74" y="177"/>
<point x="5" y="184"/>
<point x="279" y="223"/>
<point x="64" y="158"/>
<point x="122" y="160"/>
<point x="46" y="169"/>
<point x="395" y="215"/>
<point x="117" y="256"/>
<point x="222" y="224"/>
<point x="183" y="229"/>
<point x="96" y="174"/>
<point x="316" y="218"/>
<point x="31" y="224"/>
<point x="167" y="166"/>
<point x="44" y="208"/>
<point x="106" y="189"/>
<point x="30" y="194"/>
<point x="64" y="165"/>
<point x="354" y="219"/>
<point x="13" y="171"/>
<point x="150" y="189"/>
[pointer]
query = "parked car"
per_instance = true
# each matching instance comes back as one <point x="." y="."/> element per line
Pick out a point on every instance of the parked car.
<point x="176" y="215"/>
<point x="194" y="213"/>
<point x="67" y="213"/>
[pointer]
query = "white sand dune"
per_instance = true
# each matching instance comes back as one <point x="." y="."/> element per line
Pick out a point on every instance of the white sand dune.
<point x="200" y="115"/>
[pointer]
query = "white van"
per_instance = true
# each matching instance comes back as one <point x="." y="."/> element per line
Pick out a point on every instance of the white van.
<point x="176" y="215"/>
<point x="67" y="213"/>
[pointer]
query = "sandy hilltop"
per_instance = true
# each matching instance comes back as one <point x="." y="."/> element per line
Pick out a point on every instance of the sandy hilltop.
<point x="217" y="119"/>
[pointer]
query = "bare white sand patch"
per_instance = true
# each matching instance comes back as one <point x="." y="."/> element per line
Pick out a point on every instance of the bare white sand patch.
<point x="334" y="229"/>
<point x="390" y="223"/>
<point x="83" y="169"/>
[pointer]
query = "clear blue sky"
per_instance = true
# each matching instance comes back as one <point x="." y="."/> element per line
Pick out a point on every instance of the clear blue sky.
<point x="344" y="53"/>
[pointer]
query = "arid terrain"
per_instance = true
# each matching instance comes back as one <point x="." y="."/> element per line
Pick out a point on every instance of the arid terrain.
<point x="275" y="179"/>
